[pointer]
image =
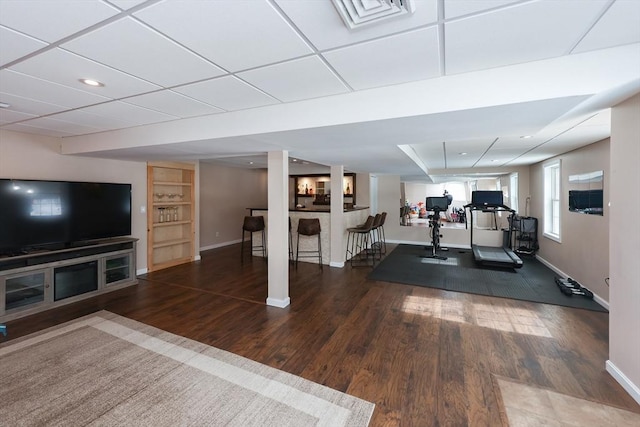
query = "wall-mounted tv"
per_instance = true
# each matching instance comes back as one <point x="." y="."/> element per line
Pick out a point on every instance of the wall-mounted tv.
<point x="38" y="215"/>
<point x="586" y="201"/>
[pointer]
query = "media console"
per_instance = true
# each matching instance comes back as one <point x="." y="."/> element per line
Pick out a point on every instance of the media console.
<point x="41" y="280"/>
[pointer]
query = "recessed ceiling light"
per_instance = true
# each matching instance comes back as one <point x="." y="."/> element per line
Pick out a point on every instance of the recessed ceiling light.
<point x="91" y="82"/>
<point x="494" y="160"/>
<point x="463" y="153"/>
<point x="526" y="136"/>
<point x="250" y="163"/>
<point x="4" y="105"/>
<point x="294" y="160"/>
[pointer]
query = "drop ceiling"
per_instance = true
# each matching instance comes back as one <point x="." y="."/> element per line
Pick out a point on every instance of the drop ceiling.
<point x="454" y="85"/>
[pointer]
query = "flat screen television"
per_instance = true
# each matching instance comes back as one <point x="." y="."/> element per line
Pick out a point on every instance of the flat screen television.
<point x="38" y="215"/>
<point x="586" y="201"/>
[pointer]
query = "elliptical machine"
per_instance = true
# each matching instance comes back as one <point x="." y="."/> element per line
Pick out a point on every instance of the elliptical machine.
<point x="436" y="205"/>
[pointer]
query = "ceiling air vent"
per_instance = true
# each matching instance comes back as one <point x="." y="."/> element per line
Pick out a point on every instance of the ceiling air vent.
<point x="359" y="13"/>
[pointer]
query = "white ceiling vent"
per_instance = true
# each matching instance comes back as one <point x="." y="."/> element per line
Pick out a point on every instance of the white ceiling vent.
<point x="358" y="13"/>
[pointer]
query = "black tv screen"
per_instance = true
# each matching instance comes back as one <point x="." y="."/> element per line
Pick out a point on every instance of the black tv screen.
<point x="51" y="214"/>
<point x="586" y="201"/>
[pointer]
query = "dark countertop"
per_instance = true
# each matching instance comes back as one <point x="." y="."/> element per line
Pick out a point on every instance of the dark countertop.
<point x="325" y="210"/>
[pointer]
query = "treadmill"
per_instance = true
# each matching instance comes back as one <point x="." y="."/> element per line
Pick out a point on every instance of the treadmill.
<point x="492" y="202"/>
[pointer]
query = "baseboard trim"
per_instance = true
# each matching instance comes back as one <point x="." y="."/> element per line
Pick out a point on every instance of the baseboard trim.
<point x="336" y="264"/>
<point x="597" y="298"/>
<point x="280" y="303"/>
<point x="621" y="378"/>
<point x="423" y="243"/>
<point x="141" y="271"/>
<point x="220" y="245"/>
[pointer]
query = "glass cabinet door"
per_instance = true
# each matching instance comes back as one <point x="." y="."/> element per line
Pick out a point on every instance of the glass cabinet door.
<point x="25" y="290"/>
<point x="117" y="269"/>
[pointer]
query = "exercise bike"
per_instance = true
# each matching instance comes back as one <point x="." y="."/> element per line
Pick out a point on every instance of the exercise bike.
<point x="436" y="205"/>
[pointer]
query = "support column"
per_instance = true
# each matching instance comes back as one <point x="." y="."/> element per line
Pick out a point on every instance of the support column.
<point x="337" y="217"/>
<point x="278" y="228"/>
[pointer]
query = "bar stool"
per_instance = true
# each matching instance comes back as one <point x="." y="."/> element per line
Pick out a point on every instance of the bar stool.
<point x="383" y="239"/>
<point x="254" y="224"/>
<point x="309" y="227"/>
<point x="290" y="242"/>
<point x="376" y="239"/>
<point x="359" y="238"/>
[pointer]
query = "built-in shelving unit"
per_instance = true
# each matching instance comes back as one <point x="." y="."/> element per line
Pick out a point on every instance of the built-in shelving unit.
<point x="170" y="214"/>
<point x="35" y="282"/>
<point x="315" y="188"/>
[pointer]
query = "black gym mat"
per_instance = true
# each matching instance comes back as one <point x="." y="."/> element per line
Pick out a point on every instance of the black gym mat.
<point x="459" y="272"/>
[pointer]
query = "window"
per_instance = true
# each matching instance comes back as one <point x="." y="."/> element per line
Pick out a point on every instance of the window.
<point x="552" y="200"/>
<point x="513" y="193"/>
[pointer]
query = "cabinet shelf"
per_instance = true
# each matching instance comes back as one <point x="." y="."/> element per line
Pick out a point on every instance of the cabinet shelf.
<point x="166" y="243"/>
<point x="170" y="223"/>
<point x="163" y="204"/>
<point x="170" y="242"/>
<point x="172" y="183"/>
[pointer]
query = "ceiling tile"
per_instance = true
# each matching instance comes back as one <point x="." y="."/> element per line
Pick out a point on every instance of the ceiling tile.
<point x="14" y="45"/>
<point x="228" y="93"/>
<point x="60" y="126"/>
<point x="296" y="80"/>
<point x="21" y="127"/>
<point x="620" y="25"/>
<point x="321" y="23"/>
<point x="29" y="106"/>
<point x="128" y="113"/>
<point x="146" y="54"/>
<point x="173" y="103"/>
<point x="10" y="116"/>
<point x="514" y="34"/>
<point x="455" y="8"/>
<point x="517" y="143"/>
<point x="391" y="60"/>
<point x="67" y="68"/>
<point x="234" y="34"/>
<point x="40" y="90"/>
<point x="53" y="20"/>
<point x="126" y="4"/>
<point x="100" y="123"/>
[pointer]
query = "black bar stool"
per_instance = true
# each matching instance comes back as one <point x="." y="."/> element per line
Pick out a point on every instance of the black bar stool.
<point x="359" y="238"/>
<point x="254" y="224"/>
<point x="376" y="237"/>
<point x="381" y="236"/>
<point x="309" y="227"/>
<point x="290" y="242"/>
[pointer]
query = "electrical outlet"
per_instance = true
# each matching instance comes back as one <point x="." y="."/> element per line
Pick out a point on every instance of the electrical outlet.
<point x="217" y="234"/>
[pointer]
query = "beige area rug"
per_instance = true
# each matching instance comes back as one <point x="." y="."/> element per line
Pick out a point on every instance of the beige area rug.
<point x="528" y="406"/>
<point x="107" y="370"/>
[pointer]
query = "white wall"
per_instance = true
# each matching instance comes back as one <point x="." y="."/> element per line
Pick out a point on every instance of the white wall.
<point x="583" y="251"/>
<point x="28" y="156"/>
<point x="624" y="254"/>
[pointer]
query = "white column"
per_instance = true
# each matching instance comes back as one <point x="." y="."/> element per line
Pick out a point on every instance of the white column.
<point x="278" y="228"/>
<point x="337" y="217"/>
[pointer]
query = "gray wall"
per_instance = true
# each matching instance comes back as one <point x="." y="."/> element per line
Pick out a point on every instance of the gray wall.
<point x="583" y="251"/>
<point x="225" y="195"/>
<point x="37" y="157"/>
<point x="624" y="256"/>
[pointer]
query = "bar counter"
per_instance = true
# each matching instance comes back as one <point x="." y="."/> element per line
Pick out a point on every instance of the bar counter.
<point x="351" y="217"/>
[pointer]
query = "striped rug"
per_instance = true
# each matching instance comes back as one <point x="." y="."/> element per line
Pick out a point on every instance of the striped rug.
<point x="108" y="370"/>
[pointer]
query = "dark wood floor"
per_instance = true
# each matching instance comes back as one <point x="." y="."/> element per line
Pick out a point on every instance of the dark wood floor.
<point x="423" y="356"/>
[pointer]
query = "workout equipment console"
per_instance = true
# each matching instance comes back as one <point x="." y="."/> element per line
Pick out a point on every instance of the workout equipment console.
<point x="492" y="202"/>
<point x="436" y="205"/>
